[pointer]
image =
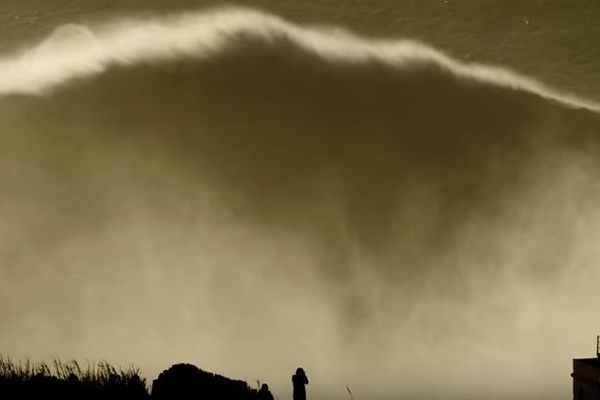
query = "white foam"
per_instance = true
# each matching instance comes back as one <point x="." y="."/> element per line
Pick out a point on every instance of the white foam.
<point x="76" y="52"/>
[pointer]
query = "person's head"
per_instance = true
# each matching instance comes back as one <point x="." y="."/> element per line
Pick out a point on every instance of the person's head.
<point x="264" y="387"/>
<point x="299" y="371"/>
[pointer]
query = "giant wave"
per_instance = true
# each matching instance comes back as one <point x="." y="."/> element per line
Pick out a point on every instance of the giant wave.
<point x="378" y="187"/>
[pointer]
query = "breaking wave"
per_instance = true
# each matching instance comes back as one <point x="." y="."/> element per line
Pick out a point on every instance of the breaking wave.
<point x="77" y="52"/>
<point x="204" y="166"/>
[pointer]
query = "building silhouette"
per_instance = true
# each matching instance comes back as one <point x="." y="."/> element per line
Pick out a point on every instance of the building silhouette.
<point x="586" y="376"/>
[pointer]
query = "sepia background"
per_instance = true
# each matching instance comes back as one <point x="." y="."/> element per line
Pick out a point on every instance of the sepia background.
<point x="399" y="196"/>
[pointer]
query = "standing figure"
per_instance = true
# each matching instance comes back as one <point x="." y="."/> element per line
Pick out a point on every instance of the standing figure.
<point x="299" y="380"/>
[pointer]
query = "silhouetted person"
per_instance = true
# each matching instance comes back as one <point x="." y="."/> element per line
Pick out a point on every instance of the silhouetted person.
<point x="299" y="380"/>
<point x="264" y="393"/>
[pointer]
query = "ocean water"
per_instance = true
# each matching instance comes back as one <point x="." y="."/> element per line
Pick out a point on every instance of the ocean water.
<point x="553" y="40"/>
<point x="399" y="196"/>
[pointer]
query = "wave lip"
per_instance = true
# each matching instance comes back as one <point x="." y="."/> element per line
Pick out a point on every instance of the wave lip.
<point x="77" y="52"/>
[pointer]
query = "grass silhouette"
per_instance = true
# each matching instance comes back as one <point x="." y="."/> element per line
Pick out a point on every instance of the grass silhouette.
<point x="68" y="380"/>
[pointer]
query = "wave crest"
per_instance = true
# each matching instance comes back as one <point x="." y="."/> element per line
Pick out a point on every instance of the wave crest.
<point x="202" y="34"/>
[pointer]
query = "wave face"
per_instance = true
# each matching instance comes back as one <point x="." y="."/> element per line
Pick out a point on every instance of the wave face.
<point x="247" y="194"/>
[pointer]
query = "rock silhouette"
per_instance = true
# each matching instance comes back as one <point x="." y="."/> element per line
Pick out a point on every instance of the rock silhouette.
<point x="186" y="381"/>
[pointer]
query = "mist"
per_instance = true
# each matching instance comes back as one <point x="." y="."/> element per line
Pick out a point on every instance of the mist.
<point x="226" y="188"/>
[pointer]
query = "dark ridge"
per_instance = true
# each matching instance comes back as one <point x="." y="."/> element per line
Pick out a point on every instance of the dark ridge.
<point x="102" y="381"/>
<point x="188" y="381"/>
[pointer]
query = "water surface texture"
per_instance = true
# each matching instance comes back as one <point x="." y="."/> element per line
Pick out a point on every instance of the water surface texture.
<point x="400" y="196"/>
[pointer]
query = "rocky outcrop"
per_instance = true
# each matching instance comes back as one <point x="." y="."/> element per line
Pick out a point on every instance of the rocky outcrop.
<point x="186" y="381"/>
